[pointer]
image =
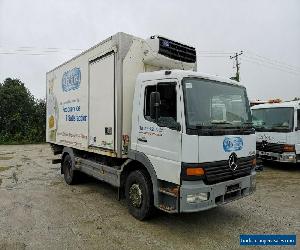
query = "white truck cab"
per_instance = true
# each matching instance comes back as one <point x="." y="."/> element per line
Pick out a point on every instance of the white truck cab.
<point x="186" y="145"/>
<point x="135" y="114"/>
<point x="278" y="131"/>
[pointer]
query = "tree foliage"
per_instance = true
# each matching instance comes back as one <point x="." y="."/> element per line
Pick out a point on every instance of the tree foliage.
<point x="22" y="117"/>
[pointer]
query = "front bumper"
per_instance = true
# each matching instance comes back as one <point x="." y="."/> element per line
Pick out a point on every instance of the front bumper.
<point x="279" y="157"/>
<point x="218" y="194"/>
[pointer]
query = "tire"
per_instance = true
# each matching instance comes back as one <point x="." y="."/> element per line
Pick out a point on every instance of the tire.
<point x="70" y="176"/>
<point x="139" y="195"/>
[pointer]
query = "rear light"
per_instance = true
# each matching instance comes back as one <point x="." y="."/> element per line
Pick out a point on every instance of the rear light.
<point x="194" y="171"/>
<point x="288" y="148"/>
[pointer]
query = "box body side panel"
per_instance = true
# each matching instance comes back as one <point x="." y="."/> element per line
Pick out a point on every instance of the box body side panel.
<point x="67" y="120"/>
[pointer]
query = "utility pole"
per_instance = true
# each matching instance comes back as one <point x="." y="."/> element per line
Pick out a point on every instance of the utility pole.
<point x="237" y="66"/>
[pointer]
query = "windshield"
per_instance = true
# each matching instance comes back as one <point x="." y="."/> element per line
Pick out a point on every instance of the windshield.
<point x="273" y="119"/>
<point x="217" y="104"/>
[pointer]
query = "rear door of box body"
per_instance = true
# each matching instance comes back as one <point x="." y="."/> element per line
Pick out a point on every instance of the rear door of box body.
<point x="101" y="102"/>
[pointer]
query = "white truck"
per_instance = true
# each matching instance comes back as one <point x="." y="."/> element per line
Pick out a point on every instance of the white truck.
<point x="278" y="131"/>
<point x="135" y="114"/>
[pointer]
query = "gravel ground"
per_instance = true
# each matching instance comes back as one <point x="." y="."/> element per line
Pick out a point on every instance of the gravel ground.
<point x="39" y="211"/>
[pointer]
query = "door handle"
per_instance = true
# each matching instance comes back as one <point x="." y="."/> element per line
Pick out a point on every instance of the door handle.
<point x="142" y="140"/>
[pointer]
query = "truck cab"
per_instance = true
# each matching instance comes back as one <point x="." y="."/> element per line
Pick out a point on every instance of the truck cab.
<point x="278" y="131"/>
<point x="196" y="132"/>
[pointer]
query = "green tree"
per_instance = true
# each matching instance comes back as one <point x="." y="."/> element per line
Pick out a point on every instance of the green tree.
<point x="22" y="118"/>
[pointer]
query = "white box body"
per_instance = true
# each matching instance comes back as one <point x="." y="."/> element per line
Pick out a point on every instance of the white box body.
<point x="89" y="98"/>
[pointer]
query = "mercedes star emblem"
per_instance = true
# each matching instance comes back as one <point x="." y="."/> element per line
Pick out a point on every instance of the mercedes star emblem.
<point x="232" y="162"/>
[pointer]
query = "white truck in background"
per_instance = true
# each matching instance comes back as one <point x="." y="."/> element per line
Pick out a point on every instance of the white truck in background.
<point x="277" y="128"/>
<point x="135" y="114"/>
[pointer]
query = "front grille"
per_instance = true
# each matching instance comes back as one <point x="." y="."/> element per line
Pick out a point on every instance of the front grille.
<point x="177" y="51"/>
<point x="269" y="147"/>
<point x="219" y="171"/>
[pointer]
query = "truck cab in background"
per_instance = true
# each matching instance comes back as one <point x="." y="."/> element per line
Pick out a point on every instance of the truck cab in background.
<point x="278" y="131"/>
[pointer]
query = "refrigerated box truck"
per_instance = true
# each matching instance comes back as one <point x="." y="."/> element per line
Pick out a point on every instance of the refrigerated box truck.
<point x="135" y="114"/>
<point x="278" y="131"/>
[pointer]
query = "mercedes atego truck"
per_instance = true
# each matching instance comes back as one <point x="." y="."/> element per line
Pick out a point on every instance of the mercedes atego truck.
<point x="278" y="131"/>
<point x="135" y="113"/>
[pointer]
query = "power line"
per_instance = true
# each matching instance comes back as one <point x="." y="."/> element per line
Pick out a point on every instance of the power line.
<point x="248" y="56"/>
<point x="213" y="56"/>
<point x="259" y="60"/>
<point x="271" y="67"/>
<point x="215" y="53"/>
<point x="39" y="48"/>
<point x="35" y="51"/>
<point x="272" y="60"/>
<point x="273" y="63"/>
<point x="252" y="55"/>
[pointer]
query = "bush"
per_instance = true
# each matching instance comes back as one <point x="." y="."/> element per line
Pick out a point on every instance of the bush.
<point x="22" y="117"/>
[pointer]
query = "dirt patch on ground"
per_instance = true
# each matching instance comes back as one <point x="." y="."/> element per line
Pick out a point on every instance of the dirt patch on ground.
<point x="39" y="211"/>
<point x="4" y="168"/>
<point x="5" y="158"/>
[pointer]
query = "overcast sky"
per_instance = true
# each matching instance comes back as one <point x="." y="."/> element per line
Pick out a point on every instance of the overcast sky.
<point x="268" y="31"/>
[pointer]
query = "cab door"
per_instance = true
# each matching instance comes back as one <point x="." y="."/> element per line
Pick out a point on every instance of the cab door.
<point x="160" y="139"/>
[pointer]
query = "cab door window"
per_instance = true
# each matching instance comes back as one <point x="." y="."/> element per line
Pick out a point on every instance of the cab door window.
<point x="168" y="102"/>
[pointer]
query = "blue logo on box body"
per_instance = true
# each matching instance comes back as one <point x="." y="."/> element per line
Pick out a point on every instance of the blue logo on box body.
<point x="267" y="240"/>
<point x="71" y="80"/>
<point x="231" y="144"/>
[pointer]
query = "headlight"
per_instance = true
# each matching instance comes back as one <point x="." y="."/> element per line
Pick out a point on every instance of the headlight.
<point x="196" y="198"/>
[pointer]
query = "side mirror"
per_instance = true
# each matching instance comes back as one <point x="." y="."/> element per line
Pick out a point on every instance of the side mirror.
<point x="154" y="105"/>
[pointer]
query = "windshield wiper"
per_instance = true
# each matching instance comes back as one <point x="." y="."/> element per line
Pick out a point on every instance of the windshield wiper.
<point x="282" y="128"/>
<point x="201" y="126"/>
<point x="221" y="122"/>
<point x="247" y="123"/>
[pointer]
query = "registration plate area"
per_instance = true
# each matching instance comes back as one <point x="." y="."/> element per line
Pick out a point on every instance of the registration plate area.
<point x="233" y="188"/>
<point x="265" y="153"/>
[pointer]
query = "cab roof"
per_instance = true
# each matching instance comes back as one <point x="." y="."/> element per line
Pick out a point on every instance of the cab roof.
<point x="179" y="74"/>
<point x="291" y="104"/>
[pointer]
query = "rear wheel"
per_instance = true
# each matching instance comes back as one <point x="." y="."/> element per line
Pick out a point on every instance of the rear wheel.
<point x="139" y="195"/>
<point x="71" y="176"/>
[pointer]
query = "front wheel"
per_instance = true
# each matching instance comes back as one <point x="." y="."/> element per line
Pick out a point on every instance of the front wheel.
<point x="139" y="195"/>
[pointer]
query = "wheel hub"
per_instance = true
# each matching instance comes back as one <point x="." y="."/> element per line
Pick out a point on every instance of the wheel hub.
<point x="135" y="195"/>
